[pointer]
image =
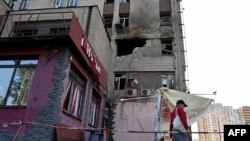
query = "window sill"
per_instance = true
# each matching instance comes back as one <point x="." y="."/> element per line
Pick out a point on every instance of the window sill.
<point x="13" y="107"/>
<point x="93" y="126"/>
<point x="75" y="117"/>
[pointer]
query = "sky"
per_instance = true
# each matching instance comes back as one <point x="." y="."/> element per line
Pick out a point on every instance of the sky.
<point x="218" y="47"/>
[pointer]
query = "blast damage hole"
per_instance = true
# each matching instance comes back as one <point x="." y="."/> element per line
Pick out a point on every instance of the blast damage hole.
<point x="127" y="46"/>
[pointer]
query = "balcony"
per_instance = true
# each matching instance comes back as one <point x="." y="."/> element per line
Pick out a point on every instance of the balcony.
<point x="38" y="24"/>
<point x="57" y="28"/>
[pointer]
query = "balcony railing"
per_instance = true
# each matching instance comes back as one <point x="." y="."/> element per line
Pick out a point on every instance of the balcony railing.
<point x="37" y="24"/>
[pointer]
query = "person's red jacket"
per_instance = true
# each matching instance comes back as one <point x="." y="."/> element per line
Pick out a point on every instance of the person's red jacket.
<point x="182" y="116"/>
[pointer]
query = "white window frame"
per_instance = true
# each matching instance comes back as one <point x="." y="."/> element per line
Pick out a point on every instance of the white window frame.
<point x="59" y="3"/>
<point x="123" y="23"/>
<point x="73" y="2"/>
<point x="26" y="4"/>
<point x="14" y="4"/>
<point x="124" y="1"/>
<point x="118" y="80"/>
<point x="94" y="109"/>
<point x="167" y="79"/>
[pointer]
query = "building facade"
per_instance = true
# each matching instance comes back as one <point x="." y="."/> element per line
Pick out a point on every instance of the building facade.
<point x="215" y="121"/>
<point x="114" y="49"/>
<point x="56" y="71"/>
<point x="246" y="114"/>
<point x="147" y="40"/>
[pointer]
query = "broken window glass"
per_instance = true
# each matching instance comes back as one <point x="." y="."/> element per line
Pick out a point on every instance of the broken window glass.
<point x="120" y="81"/>
<point x="168" y="80"/>
<point x="165" y="21"/>
<point x="167" y="47"/>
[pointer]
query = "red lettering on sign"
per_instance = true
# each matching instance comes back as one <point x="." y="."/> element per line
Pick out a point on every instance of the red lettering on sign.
<point x="91" y="55"/>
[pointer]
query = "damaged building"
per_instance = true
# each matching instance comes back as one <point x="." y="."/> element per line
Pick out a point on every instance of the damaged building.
<point x="56" y="70"/>
<point x="147" y="40"/>
<point x="90" y="64"/>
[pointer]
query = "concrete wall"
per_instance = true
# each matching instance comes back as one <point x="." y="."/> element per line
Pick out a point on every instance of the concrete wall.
<point x="144" y="23"/>
<point x="147" y="58"/>
<point x="135" y="116"/>
<point x="147" y="61"/>
<point x="179" y="45"/>
<point x="3" y="12"/>
<point x="101" y="44"/>
<point x="145" y="80"/>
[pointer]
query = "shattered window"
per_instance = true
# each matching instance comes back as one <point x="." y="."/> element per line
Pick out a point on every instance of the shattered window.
<point x="167" y="47"/>
<point x="165" y="21"/>
<point x="120" y="81"/>
<point x="168" y="80"/>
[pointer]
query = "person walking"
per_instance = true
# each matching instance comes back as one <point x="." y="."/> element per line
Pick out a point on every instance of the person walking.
<point x="178" y="123"/>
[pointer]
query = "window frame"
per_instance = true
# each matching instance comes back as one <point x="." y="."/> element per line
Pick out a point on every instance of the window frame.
<point x="60" y="3"/>
<point x="17" y="64"/>
<point x="124" y="1"/>
<point x="76" y="79"/>
<point x="108" y="1"/>
<point x="167" y="76"/>
<point x="25" y="4"/>
<point x="164" y="44"/>
<point x="118" y="81"/>
<point x="74" y="4"/>
<point x="123" y="23"/>
<point x="93" y="118"/>
<point x="165" y="23"/>
<point x="108" y="22"/>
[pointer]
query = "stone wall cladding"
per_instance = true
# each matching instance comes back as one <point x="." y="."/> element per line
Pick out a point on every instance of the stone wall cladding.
<point x="5" y="136"/>
<point x="50" y="113"/>
<point x="164" y="63"/>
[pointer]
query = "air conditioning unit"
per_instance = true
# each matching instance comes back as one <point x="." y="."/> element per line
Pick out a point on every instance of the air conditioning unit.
<point x="131" y="93"/>
<point x="145" y="92"/>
